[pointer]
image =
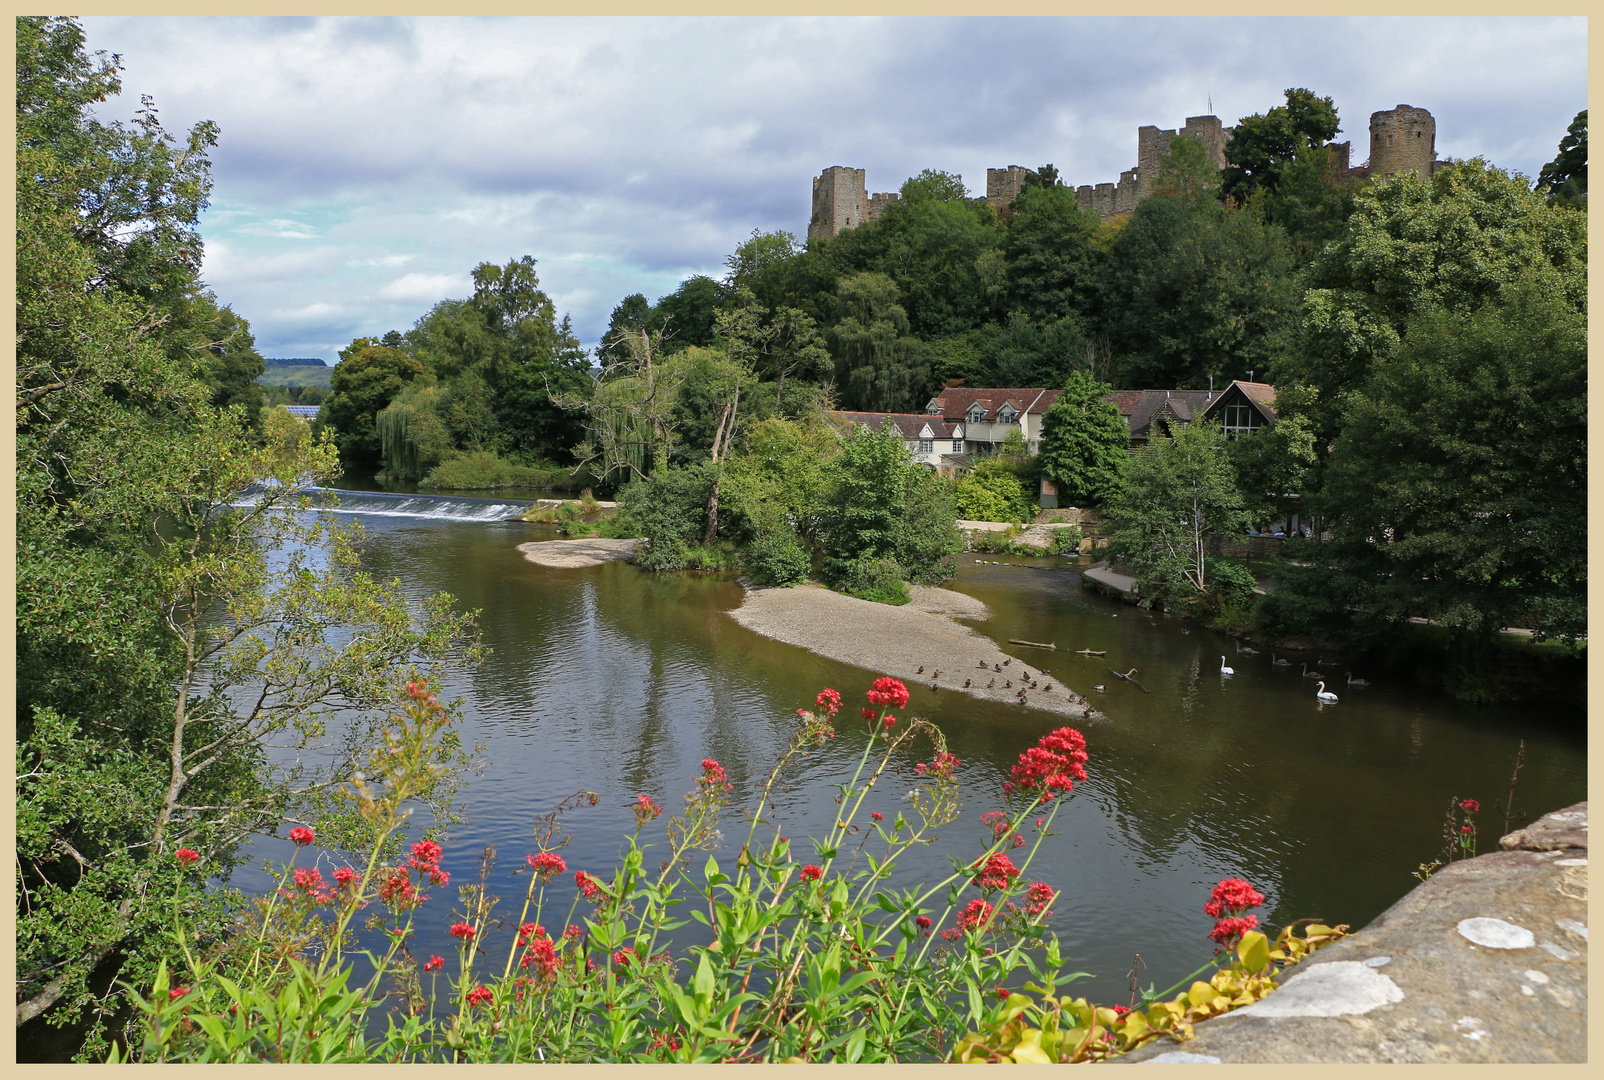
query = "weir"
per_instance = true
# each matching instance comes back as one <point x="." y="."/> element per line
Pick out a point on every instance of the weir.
<point x="433" y="507"/>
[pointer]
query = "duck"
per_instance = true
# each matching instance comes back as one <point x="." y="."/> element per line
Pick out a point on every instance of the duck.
<point x="996" y="667"/>
<point x="1047" y="689"/>
<point x="1246" y="650"/>
<point x="1356" y="682"/>
<point x="991" y="684"/>
<point x="933" y="686"/>
<point x="1008" y="661"/>
<point x="967" y="683"/>
<point x="1099" y="686"/>
<point x="1033" y="684"/>
<point x="1307" y="674"/>
<point x="1322" y="662"/>
<point x="935" y="674"/>
<point x="1279" y="663"/>
<point x="1325" y="695"/>
<point x="1225" y="670"/>
<point x="921" y="670"/>
<point x="1009" y="685"/>
<point x="981" y="665"/>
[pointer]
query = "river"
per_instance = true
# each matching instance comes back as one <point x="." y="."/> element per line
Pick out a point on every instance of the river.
<point x="620" y="681"/>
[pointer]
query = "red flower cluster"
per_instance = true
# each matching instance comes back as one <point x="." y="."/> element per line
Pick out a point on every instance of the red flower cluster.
<point x="1467" y="828"/>
<point x="1470" y="806"/>
<point x="301" y="835"/>
<point x="547" y="864"/>
<point x="645" y="809"/>
<point x="462" y="931"/>
<point x="625" y="957"/>
<point x="923" y="923"/>
<point x="186" y="856"/>
<point x="1054" y="764"/>
<point x="344" y="876"/>
<point x="1227" y="904"/>
<point x="972" y="917"/>
<point x="868" y="713"/>
<point x="588" y="885"/>
<point x="664" y="1041"/>
<point x="397" y="890"/>
<point x="1120" y="1010"/>
<point x="811" y="873"/>
<point x="177" y="992"/>
<point x="425" y="859"/>
<point x="889" y="692"/>
<point x="877" y="815"/>
<point x="479" y="995"/>
<point x="542" y="952"/>
<point x="828" y="701"/>
<point x="998" y="872"/>
<point x="942" y="766"/>
<point x="713" y="777"/>
<point x="435" y="963"/>
<point x="1038" y="894"/>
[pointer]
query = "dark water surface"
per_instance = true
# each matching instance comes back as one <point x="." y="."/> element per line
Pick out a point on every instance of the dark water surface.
<point x="619" y="681"/>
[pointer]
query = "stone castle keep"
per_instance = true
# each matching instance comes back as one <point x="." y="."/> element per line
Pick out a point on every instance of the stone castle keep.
<point x="1403" y="139"/>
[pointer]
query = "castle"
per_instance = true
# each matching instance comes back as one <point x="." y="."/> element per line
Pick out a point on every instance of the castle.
<point x="1403" y="139"/>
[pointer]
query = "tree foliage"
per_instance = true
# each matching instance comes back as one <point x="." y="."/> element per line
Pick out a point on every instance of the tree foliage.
<point x="1083" y="442"/>
<point x="1263" y="144"/>
<point x="1565" y="178"/>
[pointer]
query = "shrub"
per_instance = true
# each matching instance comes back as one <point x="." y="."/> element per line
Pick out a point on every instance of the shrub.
<point x="993" y="491"/>
<point x="776" y="555"/>
<point x="670" y="510"/>
<point x="1230" y="582"/>
<point x="874" y="579"/>
<point x="1067" y="541"/>
<point x="481" y="469"/>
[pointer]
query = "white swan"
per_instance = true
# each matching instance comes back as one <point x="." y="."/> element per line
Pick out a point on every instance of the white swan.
<point x="1324" y="695"/>
<point x="1225" y="670"/>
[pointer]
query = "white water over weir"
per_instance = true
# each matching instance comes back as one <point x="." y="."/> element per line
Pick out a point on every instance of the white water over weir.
<point x="434" y="507"/>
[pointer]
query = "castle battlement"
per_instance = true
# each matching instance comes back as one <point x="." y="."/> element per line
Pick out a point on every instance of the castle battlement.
<point x="1403" y="139"/>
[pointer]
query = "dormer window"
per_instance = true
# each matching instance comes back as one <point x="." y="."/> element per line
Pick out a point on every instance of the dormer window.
<point x="1006" y="415"/>
<point x="977" y="414"/>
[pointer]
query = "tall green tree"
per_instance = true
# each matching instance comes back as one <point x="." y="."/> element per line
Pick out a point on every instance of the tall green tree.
<point x="1564" y="179"/>
<point x="880" y="364"/>
<point x="1457" y="487"/>
<point x="366" y="379"/>
<point x="1084" y="442"/>
<point x="159" y="649"/>
<point x="1262" y="145"/>
<point x="1051" y="258"/>
<point x="884" y="508"/>
<point x="1179" y="492"/>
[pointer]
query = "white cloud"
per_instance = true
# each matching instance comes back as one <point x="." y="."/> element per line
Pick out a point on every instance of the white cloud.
<point x="425" y="288"/>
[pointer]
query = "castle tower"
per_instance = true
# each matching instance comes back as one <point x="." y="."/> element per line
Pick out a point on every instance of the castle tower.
<point x="1402" y="140"/>
<point x="840" y="201"/>
<point x="1004" y="185"/>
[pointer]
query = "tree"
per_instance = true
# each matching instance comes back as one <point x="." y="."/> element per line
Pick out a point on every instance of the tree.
<point x="1178" y="493"/>
<point x="1196" y="292"/>
<point x="1276" y="465"/>
<point x="879" y="364"/>
<point x="885" y="509"/>
<point x="1312" y="200"/>
<point x="1264" y="143"/>
<point x="164" y="631"/>
<point x="1458" y="484"/>
<point x="631" y="408"/>
<point x="934" y="185"/>
<point x="1050" y="257"/>
<point x="1185" y="172"/>
<point x="992" y="491"/>
<point x="366" y="379"/>
<point x="686" y="316"/>
<point x="1565" y="178"/>
<point x="759" y="265"/>
<point x="1084" y="442"/>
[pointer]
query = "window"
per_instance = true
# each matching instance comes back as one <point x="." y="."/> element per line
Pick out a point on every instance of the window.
<point x="1007" y="417"/>
<point x="927" y="446"/>
<point x="1241" y="420"/>
<point x="977" y="415"/>
<point x="957" y="446"/>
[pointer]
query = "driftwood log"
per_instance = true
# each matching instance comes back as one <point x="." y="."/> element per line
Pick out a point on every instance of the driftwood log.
<point x="1091" y="652"/>
<point x="1033" y="644"/>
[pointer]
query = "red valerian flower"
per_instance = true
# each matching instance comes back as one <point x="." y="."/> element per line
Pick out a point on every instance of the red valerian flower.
<point x="713" y="776"/>
<point x="828" y="701"/>
<point x="301" y="835"/>
<point x="186" y="855"/>
<point x="811" y="873"/>
<point x="435" y="963"/>
<point x="868" y="714"/>
<point x="1053" y="765"/>
<point x="308" y="879"/>
<point x="1120" y="1010"/>
<point x="998" y="872"/>
<point x="624" y="957"/>
<point x="1467" y="829"/>
<point x="923" y="923"/>
<point x="972" y="917"/>
<point x="542" y="955"/>
<point x="547" y="864"/>
<point x="479" y="995"/>
<point x="877" y="815"/>
<point x="889" y="720"/>
<point x="1038" y="894"/>
<point x="1470" y="806"/>
<point x="344" y="876"/>
<point x="462" y="931"/>
<point x="590" y="886"/>
<point x="529" y="930"/>
<point x="397" y="890"/>
<point x="177" y="992"/>
<point x="645" y="809"/>
<point x="1232" y="896"/>
<point x="425" y="853"/>
<point x="1228" y="932"/>
<point x="889" y="691"/>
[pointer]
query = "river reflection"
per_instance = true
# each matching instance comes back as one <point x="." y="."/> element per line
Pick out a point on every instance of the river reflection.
<point x="617" y="681"/>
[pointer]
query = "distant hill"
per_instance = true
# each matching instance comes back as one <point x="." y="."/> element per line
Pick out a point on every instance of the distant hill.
<point x="295" y="372"/>
<point x="293" y="361"/>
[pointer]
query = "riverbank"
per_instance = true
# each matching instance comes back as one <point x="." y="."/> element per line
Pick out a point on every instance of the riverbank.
<point x="587" y="551"/>
<point x="1485" y="962"/>
<point x="913" y="643"/>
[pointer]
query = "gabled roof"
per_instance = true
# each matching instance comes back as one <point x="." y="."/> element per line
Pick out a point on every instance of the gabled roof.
<point x="956" y="401"/>
<point x="910" y="425"/>
<point x="1139" y="407"/>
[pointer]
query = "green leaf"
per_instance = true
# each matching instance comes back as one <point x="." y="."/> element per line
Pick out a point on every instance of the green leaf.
<point x="1254" y="950"/>
<point x="887" y="904"/>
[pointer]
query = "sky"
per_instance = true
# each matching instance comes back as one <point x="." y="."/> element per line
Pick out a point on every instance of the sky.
<point x="366" y="165"/>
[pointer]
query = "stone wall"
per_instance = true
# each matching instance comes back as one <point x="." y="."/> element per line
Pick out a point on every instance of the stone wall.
<point x="1152" y="143"/>
<point x="839" y="201"/>
<point x="1402" y="140"/>
<point x="1003" y="185"/>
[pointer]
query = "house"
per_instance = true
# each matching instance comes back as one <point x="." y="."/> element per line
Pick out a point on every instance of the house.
<point x="1241" y="408"/>
<point x="931" y="440"/>
<point x="986" y="415"/>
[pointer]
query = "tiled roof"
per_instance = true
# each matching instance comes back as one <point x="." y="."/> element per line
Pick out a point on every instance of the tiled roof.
<point x="1140" y="406"/>
<point x="909" y="424"/>
<point x="955" y="401"/>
